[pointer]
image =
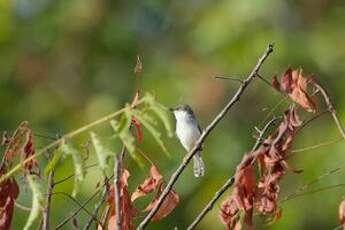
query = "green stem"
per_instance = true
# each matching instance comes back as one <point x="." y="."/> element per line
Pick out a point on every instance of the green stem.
<point x="63" y="139"/>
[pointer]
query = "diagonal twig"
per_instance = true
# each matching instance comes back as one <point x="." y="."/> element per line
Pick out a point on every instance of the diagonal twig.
<point x="97" y="207"/>
<point x="117" y="187"/>
<point x="46" y="209"/>
<point x="175" y="176"/>
<point x="331" y="108"/>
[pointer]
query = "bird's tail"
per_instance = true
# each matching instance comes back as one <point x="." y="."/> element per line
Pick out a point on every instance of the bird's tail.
<point x="198" y="165"/>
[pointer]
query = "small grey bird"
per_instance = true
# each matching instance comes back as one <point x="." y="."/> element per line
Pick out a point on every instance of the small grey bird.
<point x="188" y="132"/>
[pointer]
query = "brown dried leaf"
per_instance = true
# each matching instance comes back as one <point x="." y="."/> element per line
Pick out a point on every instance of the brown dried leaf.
<point x="21" y="144"/>
<point x="229" y="214"/>
<point x="127" y="210"/>
<point x="149" y="185"/>
<point x="168" y="205"/>
<point x="295" y="85"/>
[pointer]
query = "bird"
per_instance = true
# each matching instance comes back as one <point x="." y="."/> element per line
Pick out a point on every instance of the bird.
<point x="188" y="132"/>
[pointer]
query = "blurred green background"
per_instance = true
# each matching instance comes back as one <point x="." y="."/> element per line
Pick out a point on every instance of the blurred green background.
<point x="65" y="63"/>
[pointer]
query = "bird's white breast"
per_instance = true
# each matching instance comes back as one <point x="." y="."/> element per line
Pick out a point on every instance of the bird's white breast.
<point x="186" y="129"/>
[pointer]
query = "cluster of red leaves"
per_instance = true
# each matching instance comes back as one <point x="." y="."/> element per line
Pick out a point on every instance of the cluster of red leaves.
<point x="262" y="193"/>
<point x="128" y="212"/>
<point x="342" y="214"/>
<point x="9" y="192"/>
<point x="295" y="85"/>
<point x="152" y="183"/>
<point x="19" y="145"/>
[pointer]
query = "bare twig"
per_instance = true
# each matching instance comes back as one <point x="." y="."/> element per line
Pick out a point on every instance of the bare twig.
<point x="117" y="187"/>
<point x="72" y="175"/>
<point x="314" y="191"/>
<point x="46" y="209"/>
<point x="78" y="203"/>
<point x="175" y="176"/>
<point x="97" y="207"/>
<point x="229" y="78"/>
<point x="211" y="203"/>
<point x="229" y="181"/>
<point x="263" y="131"/>
<point x="312" y="182"/>
<point x="317" y="146"/>
<point x="82" y="206"/>
<point x="331" y="109"/>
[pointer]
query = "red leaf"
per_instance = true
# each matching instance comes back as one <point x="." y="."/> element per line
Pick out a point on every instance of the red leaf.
<point x="138" y="129"/>
<point x="149" y="185"/>
<point x="9" y="191"/>
<point x="342" y="213"/>
<point x="229" y="214"/>
<point x="295" y="85"/>
<point x="127" y="210"/>
<point x="168" y="205"/>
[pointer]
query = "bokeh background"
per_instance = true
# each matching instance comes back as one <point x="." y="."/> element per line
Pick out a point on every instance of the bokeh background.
<point x="65" y="63"/>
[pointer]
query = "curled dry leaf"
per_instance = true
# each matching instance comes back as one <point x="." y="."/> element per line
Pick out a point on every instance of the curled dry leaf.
<point x="21" y="144"/>
<point x="150" y="184"/>
<point x="295" y="85"/>
<point x="138" y="129"/>
<point x="229" y="214"/>
<point x="168" y="205"/>
<point x="342" y="213"/>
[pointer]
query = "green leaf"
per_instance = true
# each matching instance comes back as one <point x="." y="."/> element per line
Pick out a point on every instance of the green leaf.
<point x="154" y="132"/>
<point x="162" y="113"/>
<point x="57" y="154"/>
<point x="101" y="152"/>
<point x="37" y="199"/>
<point x="125" y="136"/>
<point x="78" y="167"/>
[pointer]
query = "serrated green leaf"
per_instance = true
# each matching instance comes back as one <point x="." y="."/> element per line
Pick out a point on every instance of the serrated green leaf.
<point x="78" y="167"/>
<point x="57" y="154"/>
<point x="162" y="113"/>
<point x="154" y="132"/>
<point x="37" y="199"/>
<point x="125" y="136"/>
<point x="101" y="152"/>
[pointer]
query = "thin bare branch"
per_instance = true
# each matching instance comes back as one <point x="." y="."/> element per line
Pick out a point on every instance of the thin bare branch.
<point x="229" y="78"/>
<point x="313" y="191"/>
<point x="314" y="181"/>
<point x="46" y="209"/>
<point x="117" y="187"/>
<point x="78" y="203"/>
<point x="211" y="203"/>
<point x="317" y="146"/>
<point x="72" y="175"/>
<point x="175" y="176"/>
<point x="230" y="180"/>
<point x="97" y="207"/>
<point x="331" y="109"/>
<point x="82" y="206"/>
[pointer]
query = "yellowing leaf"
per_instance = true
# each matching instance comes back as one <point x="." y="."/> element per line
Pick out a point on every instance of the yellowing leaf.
<point x="37" y="199"/>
